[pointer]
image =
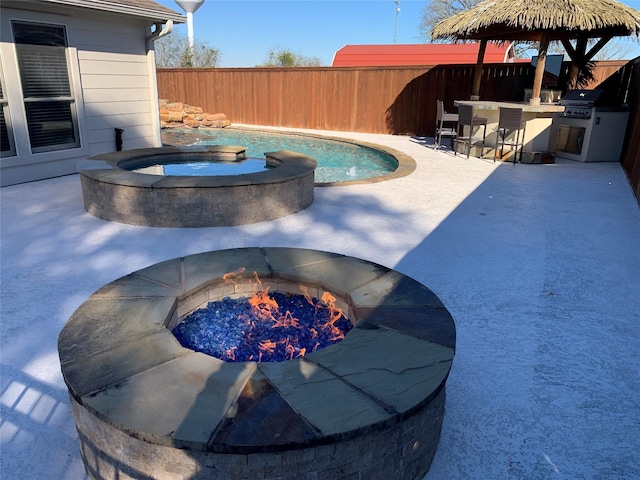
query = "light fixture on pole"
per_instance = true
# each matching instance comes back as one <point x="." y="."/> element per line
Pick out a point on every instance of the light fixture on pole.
<point x="190" y="6"/>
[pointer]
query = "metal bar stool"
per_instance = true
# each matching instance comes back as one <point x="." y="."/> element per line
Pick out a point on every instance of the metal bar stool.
<point x="466" y="119"/>
<point x="510" y="122"/>
<point x="446" y="124"/>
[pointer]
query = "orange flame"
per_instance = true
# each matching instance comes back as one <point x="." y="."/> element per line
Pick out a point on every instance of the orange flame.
<point x="230" y="276"/>
<point x="291" y="351"/>
<point x="286" y="320"/>
<point x="267" y="346"/>
<point x="305" y="293"/>
<point x="231" y="353"/>
<point x="265" y="308"/>
<point x="335" y="313"/>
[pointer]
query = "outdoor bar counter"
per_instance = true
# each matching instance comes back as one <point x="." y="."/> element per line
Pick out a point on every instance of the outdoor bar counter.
<point x="537" y="117"/>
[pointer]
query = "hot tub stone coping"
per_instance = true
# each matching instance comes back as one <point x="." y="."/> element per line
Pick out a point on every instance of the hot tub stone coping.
<point x="116" y="194"/>
<point x="122" y="364"/>
<point x="108" y="167"/>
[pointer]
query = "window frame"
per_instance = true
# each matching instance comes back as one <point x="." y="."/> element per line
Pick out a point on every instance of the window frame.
<point x="4" y="105"/>
<point x="71" y="100"/>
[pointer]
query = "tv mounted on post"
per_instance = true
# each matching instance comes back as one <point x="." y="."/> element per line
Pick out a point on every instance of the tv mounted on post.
<point x="552" y="69"/>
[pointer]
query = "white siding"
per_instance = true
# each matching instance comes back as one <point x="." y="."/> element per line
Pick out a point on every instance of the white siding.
<point x="124" y="95"/>
<point x="110" y="35"/>
<point x="112" y="68"/>
<point x="114" y="86"/>
<point x="112" y="83"/>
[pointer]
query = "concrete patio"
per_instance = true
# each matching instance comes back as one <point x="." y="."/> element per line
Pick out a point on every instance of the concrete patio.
<point x="538" y="264"/>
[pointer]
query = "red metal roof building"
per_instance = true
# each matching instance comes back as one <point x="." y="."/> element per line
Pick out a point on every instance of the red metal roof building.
<point x="419" y="54"/>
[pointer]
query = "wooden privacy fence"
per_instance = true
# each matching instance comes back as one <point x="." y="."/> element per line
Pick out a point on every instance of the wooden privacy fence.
<point x="360" y="99"/>
<point x="396" y="100"/>
<point x="631" y="151"/>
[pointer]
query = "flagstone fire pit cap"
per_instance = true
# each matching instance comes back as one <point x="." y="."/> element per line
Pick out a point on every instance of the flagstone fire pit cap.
<point x="123" y="365"/>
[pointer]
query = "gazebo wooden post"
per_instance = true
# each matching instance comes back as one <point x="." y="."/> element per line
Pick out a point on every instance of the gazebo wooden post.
<point x="475" y="91"/>
<point x="539" y="73"/>
<point x="580" y="57"/>
<point x="578" y="60"/>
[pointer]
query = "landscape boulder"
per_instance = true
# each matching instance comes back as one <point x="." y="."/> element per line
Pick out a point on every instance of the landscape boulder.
<point x="181" y="115"/>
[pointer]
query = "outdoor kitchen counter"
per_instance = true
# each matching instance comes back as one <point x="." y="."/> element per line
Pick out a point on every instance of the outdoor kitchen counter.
<point x="537" y="117"/>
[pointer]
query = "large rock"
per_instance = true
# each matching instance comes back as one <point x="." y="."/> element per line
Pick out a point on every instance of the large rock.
<point x="179" y="114"/>
<point x="169" y="117"/>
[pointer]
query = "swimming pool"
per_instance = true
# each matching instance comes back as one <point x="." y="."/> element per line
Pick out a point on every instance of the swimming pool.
<point x="338" y="160"/>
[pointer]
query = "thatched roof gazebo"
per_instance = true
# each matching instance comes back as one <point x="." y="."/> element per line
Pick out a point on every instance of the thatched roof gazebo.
<point x="542" y="21"/>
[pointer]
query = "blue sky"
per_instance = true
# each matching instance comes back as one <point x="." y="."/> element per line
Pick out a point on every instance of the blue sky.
<point x="246" y="30"/>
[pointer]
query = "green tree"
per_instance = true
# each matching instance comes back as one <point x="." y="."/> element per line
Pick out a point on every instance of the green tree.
<point x="283" y="57"/>
<point x="172" y="51"/>
<point x="624" y="49"/>
<point x="437" y="10"/>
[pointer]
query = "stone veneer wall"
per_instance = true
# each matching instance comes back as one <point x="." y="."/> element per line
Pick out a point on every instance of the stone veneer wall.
<point x="402" y="451"/>
<point x="178" y="114"/>
<point x="188" y="207"/>
<point x="118" y="195"/>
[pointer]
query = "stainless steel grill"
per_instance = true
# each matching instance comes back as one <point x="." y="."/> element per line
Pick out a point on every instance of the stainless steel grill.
<point x="580" y="103"/>
<point x="588" y="130"/>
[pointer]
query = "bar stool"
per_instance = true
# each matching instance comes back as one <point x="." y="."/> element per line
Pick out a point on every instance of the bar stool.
<point x="510" y="122"/>
<point x="466" y="119"/>
<point x="446" y="124"/>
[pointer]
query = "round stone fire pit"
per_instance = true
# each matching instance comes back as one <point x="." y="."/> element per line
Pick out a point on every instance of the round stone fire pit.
<point x="370" y="406"/>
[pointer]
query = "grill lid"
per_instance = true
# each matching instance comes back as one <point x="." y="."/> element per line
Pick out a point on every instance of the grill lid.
<point x="585" y="98"/>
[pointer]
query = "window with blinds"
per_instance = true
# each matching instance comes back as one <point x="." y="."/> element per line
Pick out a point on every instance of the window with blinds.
<point x="7" y="146"/>
<point x="46" y="87"/>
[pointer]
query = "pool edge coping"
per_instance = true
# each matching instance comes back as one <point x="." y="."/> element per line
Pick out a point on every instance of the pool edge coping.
<point x="107" y="168"/>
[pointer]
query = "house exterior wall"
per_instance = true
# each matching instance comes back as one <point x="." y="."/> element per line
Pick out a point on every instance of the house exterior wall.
<point x="114" y="81"/>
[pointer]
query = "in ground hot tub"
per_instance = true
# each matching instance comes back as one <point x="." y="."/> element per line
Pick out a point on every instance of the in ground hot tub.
<point x="370" y="406"/>
<point x="112" y="191"/>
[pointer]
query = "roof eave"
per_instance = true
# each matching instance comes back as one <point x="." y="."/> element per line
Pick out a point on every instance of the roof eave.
<point x="129" y="10"/>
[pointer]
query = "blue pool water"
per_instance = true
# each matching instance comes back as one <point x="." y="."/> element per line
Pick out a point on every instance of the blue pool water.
<point x="182" y="168"/>
<point x="337" y="161"/>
